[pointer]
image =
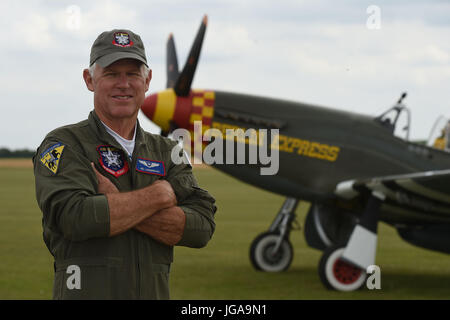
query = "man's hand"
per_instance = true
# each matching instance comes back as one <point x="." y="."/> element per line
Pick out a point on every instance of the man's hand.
<point x="162" y="190"/>
<point x="105" y="185"/>
<point x="166" y="226"/>
<point x="128" y="209"/>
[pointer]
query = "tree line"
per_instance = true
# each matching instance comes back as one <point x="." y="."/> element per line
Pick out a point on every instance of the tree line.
<point x="20" y="153"/>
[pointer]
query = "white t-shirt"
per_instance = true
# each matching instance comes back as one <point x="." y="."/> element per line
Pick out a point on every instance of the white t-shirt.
<point x="127" y="145"/>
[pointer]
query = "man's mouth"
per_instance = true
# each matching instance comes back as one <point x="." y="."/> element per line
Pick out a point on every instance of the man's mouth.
<point x="122" y="97"/>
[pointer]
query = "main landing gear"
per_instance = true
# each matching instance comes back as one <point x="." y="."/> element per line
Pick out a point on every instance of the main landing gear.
<point x="343" y="267"/>
<point x="337" y="274"/>
<point x="344" y="262"/>
<point x="272" y="251"/>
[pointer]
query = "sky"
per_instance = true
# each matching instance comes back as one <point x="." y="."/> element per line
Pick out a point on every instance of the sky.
<point x="352" y="55"/>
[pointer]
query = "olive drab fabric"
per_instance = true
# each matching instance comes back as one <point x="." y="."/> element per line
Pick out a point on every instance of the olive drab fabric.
<point x="88" y="263"/>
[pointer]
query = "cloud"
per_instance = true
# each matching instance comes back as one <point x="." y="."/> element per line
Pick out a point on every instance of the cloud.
<point x="34" y="31"/>
<point x="309" y="51"/>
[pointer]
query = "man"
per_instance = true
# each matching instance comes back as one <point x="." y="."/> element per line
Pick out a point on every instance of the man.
<point x="114" y="204"/>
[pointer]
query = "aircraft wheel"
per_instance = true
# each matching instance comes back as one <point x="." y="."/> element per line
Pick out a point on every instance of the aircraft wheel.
<point x="262" y="256"/>
<point x="336" y="274"/>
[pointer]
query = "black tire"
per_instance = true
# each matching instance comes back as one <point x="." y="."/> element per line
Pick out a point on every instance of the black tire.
<point x="261" y="257"/>
<point x="337" y="274"/>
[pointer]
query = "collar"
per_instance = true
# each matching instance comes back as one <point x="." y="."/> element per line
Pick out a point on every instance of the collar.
<point x="100" y="131"/>
<point x="118" y="136"/>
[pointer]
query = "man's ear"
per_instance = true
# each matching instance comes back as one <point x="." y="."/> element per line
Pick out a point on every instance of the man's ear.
<point x="148" y="79"/>
<point x="88" y="80"/>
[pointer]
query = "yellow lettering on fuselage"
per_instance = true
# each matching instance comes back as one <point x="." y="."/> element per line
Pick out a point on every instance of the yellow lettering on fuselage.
<point x="311" y="149"/>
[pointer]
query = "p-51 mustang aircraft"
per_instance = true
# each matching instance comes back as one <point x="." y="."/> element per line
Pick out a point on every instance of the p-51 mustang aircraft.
<point x="353" y="169"/>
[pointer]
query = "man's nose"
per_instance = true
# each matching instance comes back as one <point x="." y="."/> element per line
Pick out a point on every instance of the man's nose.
<point x="123" y="81"/>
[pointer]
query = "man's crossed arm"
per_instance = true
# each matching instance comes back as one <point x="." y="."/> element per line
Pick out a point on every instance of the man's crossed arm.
<point x="151" y="210"/>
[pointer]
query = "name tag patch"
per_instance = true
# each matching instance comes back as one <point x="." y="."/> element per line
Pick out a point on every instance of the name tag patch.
<point x="113" y="160"/>
<point x="50" y="157"/>
<point x="150" y="166"/>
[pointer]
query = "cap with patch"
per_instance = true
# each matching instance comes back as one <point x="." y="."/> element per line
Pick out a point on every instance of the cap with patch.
<point x="117" y="44"/>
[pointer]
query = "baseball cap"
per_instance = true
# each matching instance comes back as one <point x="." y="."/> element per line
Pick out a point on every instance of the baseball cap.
<point x="117" y="44"/>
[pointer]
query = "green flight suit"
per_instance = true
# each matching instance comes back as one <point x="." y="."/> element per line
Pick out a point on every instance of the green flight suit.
<point x="75" y="221"/>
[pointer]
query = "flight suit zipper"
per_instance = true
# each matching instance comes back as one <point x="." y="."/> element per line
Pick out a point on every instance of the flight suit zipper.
<point x="131" y="168"/>
<point x="132" y="165"/>
<point x="132" y="185"/>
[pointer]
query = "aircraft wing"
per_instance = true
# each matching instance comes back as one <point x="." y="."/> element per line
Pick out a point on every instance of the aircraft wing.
<point x="416" y="197"/>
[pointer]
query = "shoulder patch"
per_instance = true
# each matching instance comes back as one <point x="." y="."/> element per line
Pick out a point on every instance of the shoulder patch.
<point x="150" y="166"/>
<point x="51" y="157"/>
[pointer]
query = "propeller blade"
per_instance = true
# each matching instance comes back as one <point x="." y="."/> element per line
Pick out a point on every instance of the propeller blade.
<point x="184" y="81"/>
<point x="172" y="127"/>
<point x="171" y="63"/>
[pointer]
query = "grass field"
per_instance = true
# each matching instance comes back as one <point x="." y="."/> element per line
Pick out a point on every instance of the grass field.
<point x="222" y="270"/>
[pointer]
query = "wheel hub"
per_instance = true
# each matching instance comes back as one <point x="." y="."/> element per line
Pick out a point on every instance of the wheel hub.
<point x="270" y="256"/>
<point x="345" y="272"/>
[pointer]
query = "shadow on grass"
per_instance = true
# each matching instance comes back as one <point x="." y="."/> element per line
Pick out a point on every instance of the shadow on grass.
<point x="304" y="283"/>
<point x="394" y="285"/>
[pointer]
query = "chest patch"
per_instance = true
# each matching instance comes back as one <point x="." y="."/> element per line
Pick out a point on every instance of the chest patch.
<point x="51" y="157"/>
<point x="113" y="160"/>
<point x="150" y="166"/>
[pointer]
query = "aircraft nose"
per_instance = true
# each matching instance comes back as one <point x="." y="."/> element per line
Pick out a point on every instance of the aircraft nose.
<point x="169" y="111"/>
<point x="160" y="108"/>
<point x="149" y="106"/>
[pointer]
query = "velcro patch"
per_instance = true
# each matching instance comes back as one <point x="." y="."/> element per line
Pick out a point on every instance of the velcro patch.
<point x="51" y="157"/>
<point x="150" y="166"/>
<point x="113" y="160"/>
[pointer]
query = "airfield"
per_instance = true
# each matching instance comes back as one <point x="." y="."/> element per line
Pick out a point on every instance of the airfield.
<point x="221" y="270"/>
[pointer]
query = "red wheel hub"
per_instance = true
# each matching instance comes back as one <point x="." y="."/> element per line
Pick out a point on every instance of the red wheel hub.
<point x="345" y="272"/>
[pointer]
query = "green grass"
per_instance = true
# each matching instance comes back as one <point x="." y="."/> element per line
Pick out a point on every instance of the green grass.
<point x="26" y="266"/>
<point x="222" y="270"/>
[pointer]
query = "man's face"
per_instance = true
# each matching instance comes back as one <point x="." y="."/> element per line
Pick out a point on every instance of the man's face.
<point x="119" y="89"/>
